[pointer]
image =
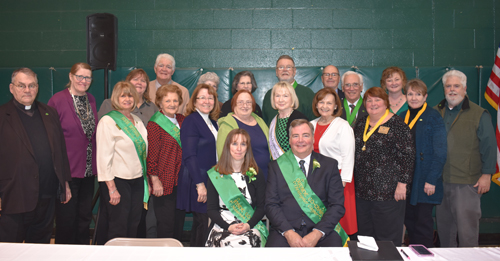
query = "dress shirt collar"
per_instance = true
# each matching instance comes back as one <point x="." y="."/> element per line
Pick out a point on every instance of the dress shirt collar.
<point x="158" y="85"/>
<point x="307" y="160"/>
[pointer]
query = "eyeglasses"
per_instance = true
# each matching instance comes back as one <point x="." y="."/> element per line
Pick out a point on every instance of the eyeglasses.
<point x="81" y="77"/>
<point x="23" y="86"/>
<point x="354" y="85"/>
<point x="243" y="103"/>
<point x="288" y="68"/>
<point x="330" y="74"/>
<point x="205" y="98"/>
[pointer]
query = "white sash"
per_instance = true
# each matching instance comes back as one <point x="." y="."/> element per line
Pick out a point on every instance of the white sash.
<point x="274" y="146"/>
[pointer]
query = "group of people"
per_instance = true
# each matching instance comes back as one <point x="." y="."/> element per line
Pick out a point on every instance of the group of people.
<point x="320" y="167"/>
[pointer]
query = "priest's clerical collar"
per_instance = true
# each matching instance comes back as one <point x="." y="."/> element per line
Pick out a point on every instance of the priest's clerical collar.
<point x="28" y="109"/>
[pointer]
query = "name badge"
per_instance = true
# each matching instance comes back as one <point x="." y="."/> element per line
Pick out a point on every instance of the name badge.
<point x="383" y="130"/>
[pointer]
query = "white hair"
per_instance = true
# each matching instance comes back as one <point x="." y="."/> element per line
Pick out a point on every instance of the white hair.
<point x="165" y="56"/>
<point x="456" y="73"/>
<point x="353" y="73"/>
<point x="209" y="76"/>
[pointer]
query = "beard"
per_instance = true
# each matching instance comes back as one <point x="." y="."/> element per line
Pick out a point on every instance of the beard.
<point x="454" y="100"/>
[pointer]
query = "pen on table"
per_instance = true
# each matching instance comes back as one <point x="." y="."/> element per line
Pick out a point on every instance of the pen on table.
<point x="402" y="251"/>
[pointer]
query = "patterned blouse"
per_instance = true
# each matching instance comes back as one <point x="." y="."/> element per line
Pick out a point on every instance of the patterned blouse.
<point x="86" y="116"/>
<point x="388" y="159"/>
<point x="282" y="134"/>
<point x="164" y="156"/>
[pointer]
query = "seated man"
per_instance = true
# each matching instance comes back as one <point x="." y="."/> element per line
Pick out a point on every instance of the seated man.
<point x="304" y="195"/>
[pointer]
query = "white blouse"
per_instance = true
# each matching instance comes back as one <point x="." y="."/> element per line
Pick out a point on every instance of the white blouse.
<point x="338" y="142"/>
<point x="116" y="153"/>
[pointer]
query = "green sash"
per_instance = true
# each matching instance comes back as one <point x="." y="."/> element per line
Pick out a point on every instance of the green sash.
<point x="167" y="125"/>
<point x="308" y="201"/>
<point x="140" y="146"/>
<point x="235" y="201"/>
<point x="352" y="116"/>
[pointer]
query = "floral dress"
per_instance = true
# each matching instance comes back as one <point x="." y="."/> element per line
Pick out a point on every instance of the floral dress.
<point x="219" y="237"/>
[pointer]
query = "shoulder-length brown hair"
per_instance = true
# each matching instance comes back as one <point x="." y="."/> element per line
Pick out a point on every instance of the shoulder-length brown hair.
<point x="320" y="95"/>
<point x="164" y="90"/>
<point x="190" y="108"/>
<point x="377" y="92"/>
<point x="388" y="72"/>
<point x="123" y="87"/>
<point x="225" y="162"/>
<point x="132" y="74"/>
<point x="234" y="101"/>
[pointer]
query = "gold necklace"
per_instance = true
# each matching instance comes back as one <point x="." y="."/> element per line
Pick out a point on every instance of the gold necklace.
<point x="76" y="107"/>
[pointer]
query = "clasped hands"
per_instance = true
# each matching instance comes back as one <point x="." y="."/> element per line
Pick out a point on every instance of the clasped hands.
<point x="309" y="240"/>
<point x="239" y="229"/>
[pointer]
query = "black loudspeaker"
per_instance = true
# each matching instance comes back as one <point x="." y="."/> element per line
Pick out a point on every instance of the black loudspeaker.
<point x="102" y="41"/>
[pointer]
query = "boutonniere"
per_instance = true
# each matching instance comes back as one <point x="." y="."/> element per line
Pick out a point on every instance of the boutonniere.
<point x="251" y="173"/>
<point x="316" y="164"/>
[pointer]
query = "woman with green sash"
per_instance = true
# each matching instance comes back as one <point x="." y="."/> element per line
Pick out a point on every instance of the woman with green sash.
<point x="235" y="196"/>
<point x="165" y="158"/>
<point x="121" y="163"/>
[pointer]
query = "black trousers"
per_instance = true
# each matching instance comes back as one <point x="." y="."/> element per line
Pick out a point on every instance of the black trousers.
<point x="199" y="231"/>
<point x="419" y="223"/>
<point x="164" y="209"/>
<point x="123" y="219"/>
<point x="32" y="227"/>
<point x="275" y="238"/>
<point x="382" y="220"/>
<point x="73" y="218"/>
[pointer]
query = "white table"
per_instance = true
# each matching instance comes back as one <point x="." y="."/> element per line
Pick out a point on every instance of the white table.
<point x="40" y="252"/>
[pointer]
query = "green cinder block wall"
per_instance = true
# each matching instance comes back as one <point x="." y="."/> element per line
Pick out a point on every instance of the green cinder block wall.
<point x="222" y="34"/>
<point x="253" y="33"/>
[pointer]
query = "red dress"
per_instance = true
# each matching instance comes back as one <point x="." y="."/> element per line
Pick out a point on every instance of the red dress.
<point x="349" y="220"/>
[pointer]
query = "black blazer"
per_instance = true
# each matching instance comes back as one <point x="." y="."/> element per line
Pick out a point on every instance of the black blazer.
<point x="19" y="183"/>
<point x="283" y="210"/>
<point x="257" y="190"/>
<point x="361" y="112"/>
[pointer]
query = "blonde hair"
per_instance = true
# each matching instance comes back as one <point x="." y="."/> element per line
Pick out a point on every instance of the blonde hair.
<point x="287" y="86"/>
<point x="123" y="87"/>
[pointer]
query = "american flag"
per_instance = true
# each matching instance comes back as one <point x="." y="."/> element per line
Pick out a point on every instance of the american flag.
<point x="492" y="95"/>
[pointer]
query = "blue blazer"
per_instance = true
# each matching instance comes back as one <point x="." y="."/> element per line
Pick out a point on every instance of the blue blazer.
<point x="199" y="154"/>
<point x="431" y="148"/>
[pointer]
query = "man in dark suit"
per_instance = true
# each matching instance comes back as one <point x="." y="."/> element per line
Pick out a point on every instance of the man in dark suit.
<point x="35" y="169"/>
<point x="352" y="104"/>
<point x="304" y="194"/>
<point x="331" y="78"/>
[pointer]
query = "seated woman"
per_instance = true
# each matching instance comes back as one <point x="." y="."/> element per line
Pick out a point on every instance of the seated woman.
<point x="243" y="104"/>
<point x="236" y="191"/>
<point x="211" y="79"/>
<point x="243" y="80"/>
<point x="283" y="99"/>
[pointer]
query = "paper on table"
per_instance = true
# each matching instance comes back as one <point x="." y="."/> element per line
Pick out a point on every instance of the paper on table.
<point x="367" y="243"/>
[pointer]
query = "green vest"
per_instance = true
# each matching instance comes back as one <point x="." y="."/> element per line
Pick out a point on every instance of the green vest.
<point x="463" y="163"/>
